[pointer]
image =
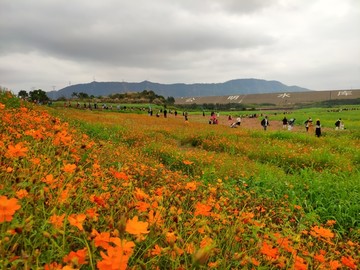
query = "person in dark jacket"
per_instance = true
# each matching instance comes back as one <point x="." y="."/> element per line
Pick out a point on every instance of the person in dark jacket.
<point x="285" y="122"/>
<point x="265" y="123"/>
<point x="318" y="128"/>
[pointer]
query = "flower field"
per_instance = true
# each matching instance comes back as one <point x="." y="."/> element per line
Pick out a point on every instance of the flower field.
<point x="105" y="190"/>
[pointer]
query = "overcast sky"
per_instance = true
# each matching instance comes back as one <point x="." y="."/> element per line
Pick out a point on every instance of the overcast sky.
<point x="49" y="44"/>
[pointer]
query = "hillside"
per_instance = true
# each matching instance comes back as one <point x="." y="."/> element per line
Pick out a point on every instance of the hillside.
<point x="232" y="87"/>
<point x="287" y="99"/>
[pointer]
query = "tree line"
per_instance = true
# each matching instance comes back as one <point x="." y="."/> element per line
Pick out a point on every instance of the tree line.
<point x="146" y="96"/>
<point x="34" y="95"/>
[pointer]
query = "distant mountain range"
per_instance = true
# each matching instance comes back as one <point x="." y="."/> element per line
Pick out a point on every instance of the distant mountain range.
<point x="232" y="87"/>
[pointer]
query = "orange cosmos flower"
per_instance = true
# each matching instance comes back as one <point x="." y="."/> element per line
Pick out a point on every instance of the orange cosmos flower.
<point x="92" y="213"/>
<point x="77" y="220"/>
<point x="69" y="168"/>
<point x="334" y="265"/>
<point x="133" y="226"/>
<point x="8" y="208"/>
<point x="187" y="162"/>
<point x="321" y="232"/>
<point x="98" y="200"/>
<point x="246" y="217"/>
<point x="140" y="195"/>
<point x="285" y="243"/>
<point x="213" y="264"/>
<point x="206" y="241"/>
<point x="2" y="106"/>
<point x="57" y="221"/>
<point x="36" y="134"/>
<point x="49" y="179"/>
<point x="156" y="250"/>
<point x="126" y="246"/>
<point x="159" y="191"/>
<point x="16" y="151"/>
<point x="62" y="137"/>
<point x="117" y="257"/>
<point x="142" y="206"/>
<point x="319" y="258"/>
<point x="22" y="193"/>
<point x="63" y="196"/>
<point x="155" y="217"/>
<point x="330" y="222"/>
<point x="120" y="175"/>
<point x="113" y="260"/>
<point x="35" y="161"/>
<point x="271" y="253"/>
<point x="190" y="248"/>
<point x="349" y="262"/>
<point x="191" y="186"/>
<point x="202" y="209"/>
<point x="255" y="262"/>
<point x="171" y="237"/>
<point x="300" y="263"/>
<point x="102" y="240"/>
<point x="78" y="258"/>
<point x="53" y="266"/>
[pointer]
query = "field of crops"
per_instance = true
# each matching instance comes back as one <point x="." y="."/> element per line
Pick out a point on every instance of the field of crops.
<point x="84" y="189"/>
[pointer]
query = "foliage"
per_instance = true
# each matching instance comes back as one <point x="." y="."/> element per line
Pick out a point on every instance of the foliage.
<point x="82" y="95"/>
<point x="38" y="96"/>
<point x="139" y="97"/>
<point x="213" y="106"/>
<point x="23" y="94"/>
<point x="335" y="102"/>
<point x="170" y="100"/>
<point x="8" y="99"/>
<point x="118" y="191"/>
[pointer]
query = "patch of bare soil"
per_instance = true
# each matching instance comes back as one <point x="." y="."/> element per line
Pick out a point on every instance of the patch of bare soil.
<point x="246" y="123"/>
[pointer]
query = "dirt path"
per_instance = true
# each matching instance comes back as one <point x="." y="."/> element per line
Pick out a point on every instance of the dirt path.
<point x="246" y="123"/>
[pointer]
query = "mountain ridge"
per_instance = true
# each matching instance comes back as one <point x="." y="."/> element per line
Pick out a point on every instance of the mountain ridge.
<point x="231" y="87"/>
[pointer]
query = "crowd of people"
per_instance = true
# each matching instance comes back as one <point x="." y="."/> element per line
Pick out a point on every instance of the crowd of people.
<point x="287" y="124"/>
<point x="309" y="125"/>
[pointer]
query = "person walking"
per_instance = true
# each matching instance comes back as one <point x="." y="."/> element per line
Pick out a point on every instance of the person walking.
<point x="308" y="124"/>
<point x="186" y="117"/>
<point x="265" y="122"/>
<point x="285" y="122"/>
<point x="318" y="128"/>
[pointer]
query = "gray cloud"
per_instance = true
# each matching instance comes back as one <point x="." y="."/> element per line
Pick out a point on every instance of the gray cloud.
<point x="179" y="41"/>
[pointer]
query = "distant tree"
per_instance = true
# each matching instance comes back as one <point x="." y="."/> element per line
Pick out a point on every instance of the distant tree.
<point x="170" y="100"/>
<point x="38" y="95"/>
<point x="83" y="95"/>
<point x="74" y="94"/>
<point x="23" y="94"/>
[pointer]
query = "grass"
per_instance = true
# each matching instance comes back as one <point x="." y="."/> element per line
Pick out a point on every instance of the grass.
<point x="106" y="190"/>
